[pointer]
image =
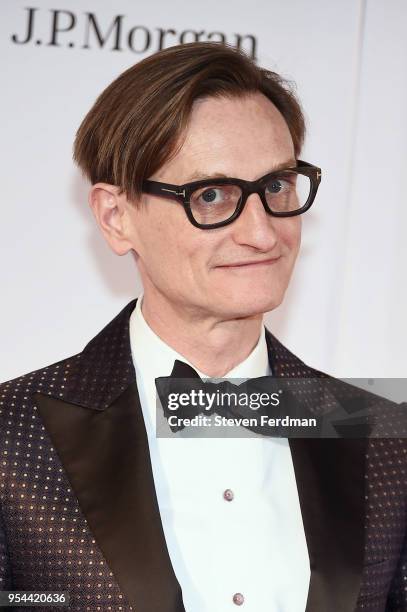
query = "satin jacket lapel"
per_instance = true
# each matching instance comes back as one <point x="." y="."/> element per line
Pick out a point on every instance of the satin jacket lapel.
<point x="330" y="475"/>
<point x="101" y="440"/>
<point x="330" y="481"/>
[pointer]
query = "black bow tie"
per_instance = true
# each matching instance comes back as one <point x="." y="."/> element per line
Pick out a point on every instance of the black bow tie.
<point x="299" y="399"/>
<point x="185" y="380"/>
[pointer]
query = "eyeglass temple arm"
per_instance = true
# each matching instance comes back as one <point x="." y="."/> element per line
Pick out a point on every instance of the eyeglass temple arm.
<point x="155" y="188"/>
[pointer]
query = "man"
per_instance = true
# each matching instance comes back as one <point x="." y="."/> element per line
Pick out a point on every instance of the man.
<point x="193" y="156"/>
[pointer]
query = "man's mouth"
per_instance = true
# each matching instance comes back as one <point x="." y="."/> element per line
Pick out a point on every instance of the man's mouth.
<point x="252" y="263"/>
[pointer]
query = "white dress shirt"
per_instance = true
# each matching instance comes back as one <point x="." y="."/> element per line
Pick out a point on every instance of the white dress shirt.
<point x="244" y="548"/>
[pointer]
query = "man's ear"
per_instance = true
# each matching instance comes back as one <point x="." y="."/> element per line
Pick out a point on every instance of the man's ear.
<point x="110" y="209"/>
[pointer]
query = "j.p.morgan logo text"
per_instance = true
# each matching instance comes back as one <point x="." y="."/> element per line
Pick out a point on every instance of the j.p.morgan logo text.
<point x="88" y="31"/>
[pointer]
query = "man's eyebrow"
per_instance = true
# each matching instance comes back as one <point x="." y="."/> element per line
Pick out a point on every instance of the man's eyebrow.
<point x="202" y="176"/>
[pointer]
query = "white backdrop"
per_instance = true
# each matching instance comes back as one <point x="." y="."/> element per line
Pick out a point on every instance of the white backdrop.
<point x="346" y="308"/>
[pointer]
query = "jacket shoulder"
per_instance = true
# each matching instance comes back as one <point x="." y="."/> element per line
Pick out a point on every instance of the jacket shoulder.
<point x="17" y="391"/>
<point x="285" y="363"/>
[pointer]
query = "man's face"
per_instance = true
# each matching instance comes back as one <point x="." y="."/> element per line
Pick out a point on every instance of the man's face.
<point x="201" y="270"/>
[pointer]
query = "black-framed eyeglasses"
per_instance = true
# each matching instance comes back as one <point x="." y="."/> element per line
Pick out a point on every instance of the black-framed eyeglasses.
<point x="211" y="203"/>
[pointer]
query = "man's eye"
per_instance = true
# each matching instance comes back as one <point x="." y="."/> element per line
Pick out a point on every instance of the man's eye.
<point x="279" y="185"/>
<point x="213" y="195"/>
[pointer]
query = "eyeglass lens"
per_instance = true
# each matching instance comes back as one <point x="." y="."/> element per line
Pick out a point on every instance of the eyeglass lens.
<point x="283" y="193"/>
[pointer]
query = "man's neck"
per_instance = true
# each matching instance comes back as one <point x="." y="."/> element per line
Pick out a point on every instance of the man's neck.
<point x="213" y="345"/>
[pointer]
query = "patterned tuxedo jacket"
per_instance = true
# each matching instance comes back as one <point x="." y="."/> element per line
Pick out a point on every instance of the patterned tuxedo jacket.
<point x="78" y="510"/>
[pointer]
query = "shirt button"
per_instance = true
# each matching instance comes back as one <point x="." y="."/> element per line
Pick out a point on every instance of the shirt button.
<point x="228" y="495"/>
<point x="238" y="599"/>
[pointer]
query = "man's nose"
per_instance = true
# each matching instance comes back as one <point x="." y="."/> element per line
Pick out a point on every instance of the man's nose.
<point x="255" y="226"/>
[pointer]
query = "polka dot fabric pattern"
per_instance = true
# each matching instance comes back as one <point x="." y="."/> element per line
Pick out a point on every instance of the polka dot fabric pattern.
<point x="384" y="578"/>
<point x="45" y="540"/>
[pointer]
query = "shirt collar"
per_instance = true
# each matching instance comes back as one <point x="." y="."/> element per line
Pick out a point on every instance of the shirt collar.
<point x="155" y="358"/>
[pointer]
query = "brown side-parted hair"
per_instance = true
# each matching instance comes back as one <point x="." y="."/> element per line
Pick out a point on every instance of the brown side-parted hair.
<point x="138" y="121"/>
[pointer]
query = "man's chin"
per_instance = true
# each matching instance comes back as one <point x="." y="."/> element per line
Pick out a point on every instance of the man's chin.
<point x="241" y="307"/>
